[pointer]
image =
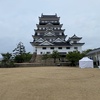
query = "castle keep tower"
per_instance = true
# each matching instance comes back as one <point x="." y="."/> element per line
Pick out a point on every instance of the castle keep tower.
<point x="49" y="36"/>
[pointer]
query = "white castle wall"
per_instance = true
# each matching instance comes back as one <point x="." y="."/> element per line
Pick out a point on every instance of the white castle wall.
<point x="44" y="51"/>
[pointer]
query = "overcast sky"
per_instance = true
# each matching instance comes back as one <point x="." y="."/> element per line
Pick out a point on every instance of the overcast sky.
<point x="18" y="19"/>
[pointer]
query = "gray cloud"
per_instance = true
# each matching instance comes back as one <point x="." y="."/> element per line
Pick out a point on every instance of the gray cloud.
<point x="19" y="18"/>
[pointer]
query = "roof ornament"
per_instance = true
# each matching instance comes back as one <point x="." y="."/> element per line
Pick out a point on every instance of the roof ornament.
<point x="42" y="14"/>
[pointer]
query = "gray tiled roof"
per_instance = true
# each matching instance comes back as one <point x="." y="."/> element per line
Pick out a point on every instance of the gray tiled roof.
<point x="42" y="15"/>
<point x="94" y="51"/>
<point x="75" y="37"/>
<point x="78" y="43"/>
<point x="55" y="44"/>
<point x="62" y="44"/>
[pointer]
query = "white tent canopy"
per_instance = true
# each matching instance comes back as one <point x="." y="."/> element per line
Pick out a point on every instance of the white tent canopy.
<point x="1" y="57"/>
<point x="85" y="62"/>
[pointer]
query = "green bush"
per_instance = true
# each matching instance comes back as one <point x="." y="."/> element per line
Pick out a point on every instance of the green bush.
<point x="22" y="58"/>
<point x="7" y="61"/>
<point x="74" y="57"/>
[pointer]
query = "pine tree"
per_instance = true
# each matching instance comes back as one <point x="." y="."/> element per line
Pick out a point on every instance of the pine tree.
<point x="19" y="53"/>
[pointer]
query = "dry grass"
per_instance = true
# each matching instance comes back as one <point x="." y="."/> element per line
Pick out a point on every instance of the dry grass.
<point x="49" y="83"/>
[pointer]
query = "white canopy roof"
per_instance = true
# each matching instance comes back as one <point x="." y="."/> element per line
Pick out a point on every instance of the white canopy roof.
<point x="86" y="63"/>
<point x="85" y="59"/>
<point x="1" y="57"/>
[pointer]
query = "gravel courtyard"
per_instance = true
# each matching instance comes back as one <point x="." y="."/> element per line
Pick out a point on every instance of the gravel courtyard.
<point x="49" y="83"/>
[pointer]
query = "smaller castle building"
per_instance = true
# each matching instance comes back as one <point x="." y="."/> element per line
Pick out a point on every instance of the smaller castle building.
<point x="49" y="36"/>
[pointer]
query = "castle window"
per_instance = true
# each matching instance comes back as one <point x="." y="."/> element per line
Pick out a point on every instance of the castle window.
<point x="59" y="47"/>
<point x="60" y="33"/>
<point x="51" y="47"/>
<point x="50" y="40"/>
<point x="38" y="33"/>
<point x="40" y="28"/>
<point x="42" y="21"/>
<point x="48" y="52"/>
<point x="58" y="28"/>
<point x="52" y="21"/>
<point x="43" y="47"/>
<point x="55" y="28"/>
<point x="43" y="28"/>
<point x="67" y="47"/>
<point x="74" y="41"/>
<point x="76" y="48"/>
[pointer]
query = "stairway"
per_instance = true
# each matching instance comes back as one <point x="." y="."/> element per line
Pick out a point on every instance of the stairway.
<point x="33" y="57"/>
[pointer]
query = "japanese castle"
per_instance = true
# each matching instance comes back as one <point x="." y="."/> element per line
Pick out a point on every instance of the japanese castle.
<point x="49" y="36"/>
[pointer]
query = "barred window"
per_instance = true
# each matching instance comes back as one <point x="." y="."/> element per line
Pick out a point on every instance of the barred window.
<point x="43" y="47"/>
<point x="67" y="47"/>
<point x="75" y="47"/>
<point x="59" y="47"/>
<point x="51" y="47"/>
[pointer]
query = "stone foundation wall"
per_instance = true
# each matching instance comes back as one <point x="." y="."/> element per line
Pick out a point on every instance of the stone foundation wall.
<point x="28" y="64"/>
<point x="48" y="62"/>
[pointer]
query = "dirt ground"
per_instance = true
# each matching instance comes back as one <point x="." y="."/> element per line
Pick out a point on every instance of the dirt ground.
<point x="49" y="83"/>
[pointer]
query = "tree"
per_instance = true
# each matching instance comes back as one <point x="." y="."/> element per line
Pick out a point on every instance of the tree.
<point x="19" y="58"/>
<point x="74" y="57"/>
<point x="27" y="56"/>
<point x="18" y="53"/>
<point x="86" y="51"/>
<point x="6" y="57"/>
<point x="23" y="57"/>
<point x="20" y="49"/>
<point x="7" y="60"/>
<point x="55" y="55"/>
